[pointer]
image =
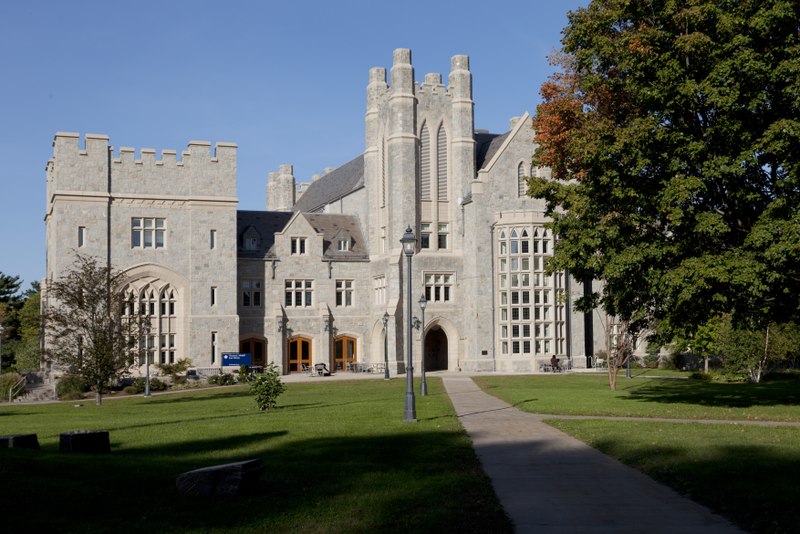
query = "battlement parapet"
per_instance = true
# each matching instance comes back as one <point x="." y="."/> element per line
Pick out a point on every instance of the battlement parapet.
<point x="199" y="172"/>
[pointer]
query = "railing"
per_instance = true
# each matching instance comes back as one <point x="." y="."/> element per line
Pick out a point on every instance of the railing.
<point x="16" y="388"/>
<point x="208" y="371"/>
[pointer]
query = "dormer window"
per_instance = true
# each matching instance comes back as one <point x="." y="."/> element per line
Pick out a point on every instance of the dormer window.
<point x="298" y="245"/>
<point x="343" y="245"/>
<point x="251" y="243"/>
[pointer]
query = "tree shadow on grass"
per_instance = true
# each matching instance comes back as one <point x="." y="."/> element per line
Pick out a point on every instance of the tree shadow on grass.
<point x="751" y="485"/>
<point x="739" y="395"/>
<point x="400" y="482"/>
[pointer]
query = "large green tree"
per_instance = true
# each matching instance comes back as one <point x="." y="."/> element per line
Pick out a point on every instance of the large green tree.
<point x="85" y="330"/>
<point x="673" y="132"/>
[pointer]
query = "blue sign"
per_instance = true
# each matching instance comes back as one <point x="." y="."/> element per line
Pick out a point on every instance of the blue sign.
<point x="236" y="359"/>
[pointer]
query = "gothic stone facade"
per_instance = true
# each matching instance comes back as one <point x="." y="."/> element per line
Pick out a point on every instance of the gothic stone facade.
<point x="313" y="278"/>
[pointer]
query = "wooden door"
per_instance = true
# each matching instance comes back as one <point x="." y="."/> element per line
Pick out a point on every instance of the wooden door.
<point x="299" y="353"/>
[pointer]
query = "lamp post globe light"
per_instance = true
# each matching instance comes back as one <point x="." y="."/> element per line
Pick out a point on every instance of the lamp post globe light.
<point x="423" y="390"/>
<point x="409" y="242"/>
<point x="385" y="345"/>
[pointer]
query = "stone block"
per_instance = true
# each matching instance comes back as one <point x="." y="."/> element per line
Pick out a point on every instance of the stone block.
<point x="19" y="441"/>
<point x="91" y="441"/>
<point x="226" y="480"/>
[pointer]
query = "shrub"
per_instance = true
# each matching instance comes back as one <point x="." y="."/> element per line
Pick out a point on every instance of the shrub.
<point x="267" y="387"/>
<point x="650" y="361"/>
<point x="245" y="374"/>
<point x="71" y="387"/>
<point x="139" y="384"/>
<point x="176" y="371"/>
<point x="8" y="381"/>
<point x="223" y="379"/>
<point x="130" y="390"/>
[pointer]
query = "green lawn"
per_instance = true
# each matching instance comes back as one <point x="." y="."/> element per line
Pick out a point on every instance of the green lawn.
<point x="647" y="395"/>
<point x="337" y="456"/>
<point x="746" y="473"/>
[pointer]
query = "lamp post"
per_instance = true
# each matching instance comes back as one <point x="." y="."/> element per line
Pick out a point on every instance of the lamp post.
<point x="147" y="375"/>
<point x="385" y="345"/>
<point x="409" y="242"/>
<point x="423" y="390"/>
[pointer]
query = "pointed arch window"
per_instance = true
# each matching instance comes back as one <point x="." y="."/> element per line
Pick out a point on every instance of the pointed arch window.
<point x="382" y="163"/>
<point x="158" y="303"/>
<point x="424" y="163"/>
<point x="522" y="184"/>
<point x="441" y="164"/>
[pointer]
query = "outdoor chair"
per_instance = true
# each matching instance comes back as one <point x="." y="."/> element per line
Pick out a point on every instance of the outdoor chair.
<point x="321" y="369"/>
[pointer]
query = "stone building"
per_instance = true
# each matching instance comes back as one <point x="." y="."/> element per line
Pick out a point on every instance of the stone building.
<point x="312" y="278"/>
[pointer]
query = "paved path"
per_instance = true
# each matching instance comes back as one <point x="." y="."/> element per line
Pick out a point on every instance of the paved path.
<point x="549" y="482"/>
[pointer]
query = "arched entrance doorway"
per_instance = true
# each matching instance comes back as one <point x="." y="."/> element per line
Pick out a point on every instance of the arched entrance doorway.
<point x="344" y="352"/>
<point x="436" y="349"/>
<point x="299" y="353"/>
<point x="257" y="348"/>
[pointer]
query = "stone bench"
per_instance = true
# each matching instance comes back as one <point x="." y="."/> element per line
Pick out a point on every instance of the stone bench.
<point x="19" y="441"/>
<point x="226" y="480"/>
<point x="91" y="441"/>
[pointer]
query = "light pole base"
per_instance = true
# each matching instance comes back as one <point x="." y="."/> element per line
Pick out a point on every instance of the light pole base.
<point x="410" y="414"/>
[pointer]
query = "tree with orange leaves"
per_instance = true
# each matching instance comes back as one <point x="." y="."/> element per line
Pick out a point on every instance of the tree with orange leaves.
<point x="673" y="132"/>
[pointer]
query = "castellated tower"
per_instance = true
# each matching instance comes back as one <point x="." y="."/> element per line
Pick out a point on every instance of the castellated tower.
<point x="281" y="189"/>
<point x="169" y="226"/>
<point x="419" y="157"/>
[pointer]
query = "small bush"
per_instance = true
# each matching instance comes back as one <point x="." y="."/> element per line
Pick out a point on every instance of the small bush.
<point x="130" y="390"/>
<point x="8" y="381"/>
<point x="267" y="387"/>
<point x="223" y="379"/>
<point x="245" y="374"/>
<point x="650" y="361"/>
<point x="176" y="371"/>
<point x="155" y="385"/>
<point x="71" y="387"/>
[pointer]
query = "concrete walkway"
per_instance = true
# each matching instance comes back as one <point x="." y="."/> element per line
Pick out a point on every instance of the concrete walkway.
<point x="549" y="482"/>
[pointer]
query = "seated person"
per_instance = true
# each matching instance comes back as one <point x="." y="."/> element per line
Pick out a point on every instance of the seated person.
<point x="554" y="363"/>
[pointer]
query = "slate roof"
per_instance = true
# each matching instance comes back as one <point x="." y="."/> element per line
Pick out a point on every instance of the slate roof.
<point x="333" y="225"/>
<point x="486" y="147"/>
<point x="333" y="186"/>
<point x="265" y="223"/>
<point x="350" y="176"/>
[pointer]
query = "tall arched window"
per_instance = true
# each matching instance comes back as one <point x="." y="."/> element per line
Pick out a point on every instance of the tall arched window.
<point x="425" y="163"/>
<point x="382" y="163"/>
<point x="522" y="185"/>
<point x="441" y="163"/>
<point x="157" y="301"/>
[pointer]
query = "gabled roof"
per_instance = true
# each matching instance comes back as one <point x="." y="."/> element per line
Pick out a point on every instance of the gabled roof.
<point x="492" y="147"/>
<point x="333" y="186"/>
<point x="265" y="223"/>
<point x="486" y="147"/>
<point x="331" y="226"/>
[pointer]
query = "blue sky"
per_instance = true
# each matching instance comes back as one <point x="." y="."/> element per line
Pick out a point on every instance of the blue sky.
<point x="284" y="80"/>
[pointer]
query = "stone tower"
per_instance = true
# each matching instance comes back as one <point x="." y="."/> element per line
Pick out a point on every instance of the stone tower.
<point x="419" y="157"/>
<point x="281" y="189"/>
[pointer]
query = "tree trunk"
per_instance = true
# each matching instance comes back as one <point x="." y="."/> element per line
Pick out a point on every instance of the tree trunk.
<point x="705" y="363"/>
<point x="613" y="370"/>
<point x="98" y="396"/>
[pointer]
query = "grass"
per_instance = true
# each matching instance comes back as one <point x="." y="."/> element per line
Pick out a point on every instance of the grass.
<point x="746" y="473"/>
<point x="647" y="395"/>
<point x="338" y="458"/>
